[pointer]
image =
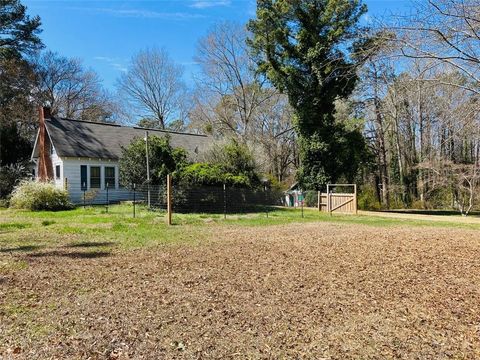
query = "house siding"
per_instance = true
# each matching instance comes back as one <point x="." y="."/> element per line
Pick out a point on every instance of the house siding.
<point x="71" y="172"/>
<point x="57" y="161"/>
<point x="79" y="142"/>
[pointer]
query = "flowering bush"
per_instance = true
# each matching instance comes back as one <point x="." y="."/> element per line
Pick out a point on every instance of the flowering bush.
<point x="34" y="195"/>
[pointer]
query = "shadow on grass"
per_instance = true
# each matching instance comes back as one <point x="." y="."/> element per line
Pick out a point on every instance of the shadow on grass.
<point x="430" y="212"/>
<point x="72" y="255"/>
<point x="219" y="210"/>
<point x="11" y="227"/>
<point x="22" y="248"/>
<point x="89" y="244"/>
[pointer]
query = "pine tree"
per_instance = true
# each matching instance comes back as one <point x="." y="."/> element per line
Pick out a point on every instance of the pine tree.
<point x="309" y="49"/>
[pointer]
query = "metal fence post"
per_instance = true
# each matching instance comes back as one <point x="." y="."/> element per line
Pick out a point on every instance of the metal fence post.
<point x="84" y="189"/>
<point x="106" y="207"/>
<point x="266" y="199"/>
<point x="303" y="200"/>
<point x="224" y="201"/>
<point x="134" y="200"/>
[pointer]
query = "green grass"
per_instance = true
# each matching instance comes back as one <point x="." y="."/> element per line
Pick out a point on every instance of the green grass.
<point x="94" y="230"/>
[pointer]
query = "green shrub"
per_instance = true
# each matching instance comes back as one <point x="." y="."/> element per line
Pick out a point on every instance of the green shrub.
<point x="10" y="176"/>
<point x="163" y="159"/>
<point x="311" y="198"/>
<point x="419" y="205"/>
<point x="32" y="195"/>
<point x="4" y="203"/>
<point x="211" y="174"/>
<point x="441" y="198"/>
<point x="367" y="199"/>
<point x="236" y="159"/>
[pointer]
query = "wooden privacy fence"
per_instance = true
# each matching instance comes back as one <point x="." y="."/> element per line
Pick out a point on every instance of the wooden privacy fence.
<point x="338" y="202"/>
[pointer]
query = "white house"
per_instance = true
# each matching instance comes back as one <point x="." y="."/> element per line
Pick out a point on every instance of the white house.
<point x="82" y="155"/>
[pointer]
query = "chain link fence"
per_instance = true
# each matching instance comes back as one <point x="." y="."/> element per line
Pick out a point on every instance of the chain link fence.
<point x="188" y="198"/>
<point x="223" y="199"/>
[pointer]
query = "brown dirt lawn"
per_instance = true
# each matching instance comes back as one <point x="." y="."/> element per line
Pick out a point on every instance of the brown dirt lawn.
<point x="310" y="291"/>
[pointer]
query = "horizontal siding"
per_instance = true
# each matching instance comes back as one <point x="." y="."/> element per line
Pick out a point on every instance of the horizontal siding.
<point x="57" y="161"/>
<point x="71" y="172"/>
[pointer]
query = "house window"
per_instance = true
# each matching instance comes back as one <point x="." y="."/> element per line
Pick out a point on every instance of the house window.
<point x="110" y="176"/>
<point x="95" y="177"/>
<point x="83" y="177"/>
<point x="57" y="172"/>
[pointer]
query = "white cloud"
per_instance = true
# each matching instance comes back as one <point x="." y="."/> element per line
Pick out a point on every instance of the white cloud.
<point x="203" y="4"/>
<point x="113" y="62"/>
<point x="144" y="14"/>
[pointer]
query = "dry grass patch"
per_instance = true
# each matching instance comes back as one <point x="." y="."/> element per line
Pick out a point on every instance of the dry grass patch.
<point x="315" y="290"/>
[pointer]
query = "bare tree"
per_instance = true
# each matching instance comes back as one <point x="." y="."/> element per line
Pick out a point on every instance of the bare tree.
<point x="70" y="90"/>
<point x="446" y="32"/>
<point x="229" y="90"/>
<point x="273" y="137"/>
<point x="153" y="86"/>
<point x="233" y="100"/>
<point x="376" y="78"/>
<point x="462" y="179"/>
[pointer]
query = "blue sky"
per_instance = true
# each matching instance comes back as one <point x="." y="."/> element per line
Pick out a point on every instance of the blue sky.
<point x="105" y="34"/>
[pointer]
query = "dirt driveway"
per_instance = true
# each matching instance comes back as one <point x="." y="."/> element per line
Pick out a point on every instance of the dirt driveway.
<point x="310" y="291"/>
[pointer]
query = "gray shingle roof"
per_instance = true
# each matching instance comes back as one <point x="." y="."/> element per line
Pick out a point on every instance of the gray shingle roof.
<point x="76" y="138"/>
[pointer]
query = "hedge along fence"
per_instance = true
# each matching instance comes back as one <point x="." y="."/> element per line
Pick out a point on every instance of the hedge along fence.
<point x="188" y="198"/>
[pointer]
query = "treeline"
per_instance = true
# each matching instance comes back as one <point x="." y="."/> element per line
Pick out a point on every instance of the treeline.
<point x="31" y="75"/>
<point x="316" y="93"/>
<point x="419" y="96"/>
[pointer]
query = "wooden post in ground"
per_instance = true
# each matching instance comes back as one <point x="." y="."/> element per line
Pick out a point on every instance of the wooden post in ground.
<point x="355" y="198"/>
<point x="328" y="200"/>
<point x="169" y="199"/>
<point x="319" y="201"/>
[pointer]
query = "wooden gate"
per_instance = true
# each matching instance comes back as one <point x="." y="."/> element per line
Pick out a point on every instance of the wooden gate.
<point x="338" y="202"/>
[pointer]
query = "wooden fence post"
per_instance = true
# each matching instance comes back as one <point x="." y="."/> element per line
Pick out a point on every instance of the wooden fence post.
<point x="169" y="199"/>
<point x="355" y="198"/>
<point x="329" y="205"/>
<point x="319" y="201"/>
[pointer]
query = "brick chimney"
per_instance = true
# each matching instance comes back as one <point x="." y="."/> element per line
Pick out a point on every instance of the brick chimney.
<point x="45" y="166"/>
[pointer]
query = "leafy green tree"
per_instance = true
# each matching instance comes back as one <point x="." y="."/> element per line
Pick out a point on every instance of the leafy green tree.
<point x="231" y="163"/>
<point x="211" y="174"/>
<point x="14" y="148"/>
<point x="18" y="32"/>
<point x="235" y="158"/>
<point x="310" y="50"/>
<point x="18" y="37"/>
<point x="10" y="176"/>
<point x="163" y="160"/>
